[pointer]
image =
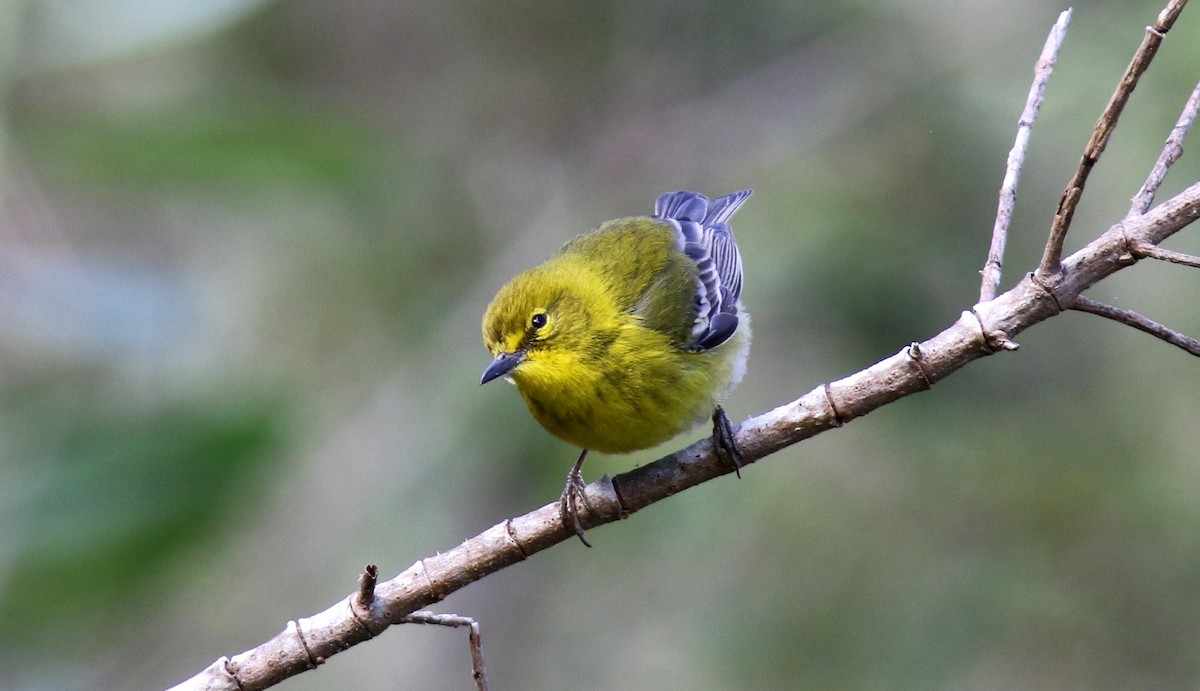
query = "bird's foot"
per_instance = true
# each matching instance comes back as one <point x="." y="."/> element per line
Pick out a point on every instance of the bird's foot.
<point x="723" y="441"/>
<point x="574" y="493"/>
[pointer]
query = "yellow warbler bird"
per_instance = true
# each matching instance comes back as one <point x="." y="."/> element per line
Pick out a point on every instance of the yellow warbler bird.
<point x="630" y="334"/>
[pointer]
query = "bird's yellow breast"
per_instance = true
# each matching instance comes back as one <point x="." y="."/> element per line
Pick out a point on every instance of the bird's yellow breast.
<point x="639" y="391"/>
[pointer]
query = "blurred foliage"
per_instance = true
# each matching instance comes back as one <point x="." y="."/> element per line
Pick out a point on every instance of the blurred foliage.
<point x="103" y="498"/>
<point x="245" y="247"/>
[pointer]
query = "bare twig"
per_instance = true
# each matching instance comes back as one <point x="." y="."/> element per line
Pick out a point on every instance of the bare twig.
<point x="1138" y="322"/>
<point x="1166" y="18"/>
<point x="476" y="640"/>
<point x="1016" y="157"/>
<point x="1101" y="133"/>
<point x="1170" y="153"/>
<point x="1165" y="255"/>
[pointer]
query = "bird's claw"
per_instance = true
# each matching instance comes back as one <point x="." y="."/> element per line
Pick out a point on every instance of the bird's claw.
<point x="574" y="492"/>
<point x="723" y="441"/>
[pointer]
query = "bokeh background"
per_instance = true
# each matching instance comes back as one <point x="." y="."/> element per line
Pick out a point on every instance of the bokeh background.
<point x="244" y="251"/>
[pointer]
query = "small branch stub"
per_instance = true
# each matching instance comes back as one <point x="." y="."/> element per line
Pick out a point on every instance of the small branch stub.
<point x="366" y="586"/>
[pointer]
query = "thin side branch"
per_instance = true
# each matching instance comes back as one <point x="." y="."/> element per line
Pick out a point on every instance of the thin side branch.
<point x="1170" y="153"/>
<point x="1153" y="38"/>
<point x="1016" y="157"/>
<point x="1138" y="322"/>
<point x="474" y="638"/>
<point x="1165" y="255"/>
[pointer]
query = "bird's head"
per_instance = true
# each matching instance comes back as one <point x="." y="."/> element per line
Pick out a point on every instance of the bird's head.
<point x="538" y="326"/>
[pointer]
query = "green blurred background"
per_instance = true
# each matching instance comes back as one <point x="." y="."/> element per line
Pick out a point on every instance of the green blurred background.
<point x="244" y="251"/>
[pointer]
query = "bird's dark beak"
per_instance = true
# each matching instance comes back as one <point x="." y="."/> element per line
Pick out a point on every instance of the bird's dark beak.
<point x="502" y="365"/>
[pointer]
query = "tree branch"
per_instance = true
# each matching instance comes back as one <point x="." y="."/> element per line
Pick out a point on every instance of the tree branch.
<point x="1152" y="252"/>
<point x="1102" y="132"/>
<point x="1170" y="153"/>
<point x="1137" y="321"/>
<point x="1016" y="156"/>
<point x="474" y="638"/>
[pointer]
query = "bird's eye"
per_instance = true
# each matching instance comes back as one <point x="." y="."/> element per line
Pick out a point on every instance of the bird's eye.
<point x="538" y="320"/>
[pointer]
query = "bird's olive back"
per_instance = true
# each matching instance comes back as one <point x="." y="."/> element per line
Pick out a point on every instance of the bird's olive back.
<point x="640" y="263"/>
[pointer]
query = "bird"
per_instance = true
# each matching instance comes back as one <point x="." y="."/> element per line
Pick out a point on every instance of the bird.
<point x="629" y="334"/>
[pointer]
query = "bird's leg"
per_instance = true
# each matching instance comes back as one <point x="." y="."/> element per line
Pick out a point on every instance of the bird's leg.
<point x="573" y="493"/>
<point x="723" y="442"/>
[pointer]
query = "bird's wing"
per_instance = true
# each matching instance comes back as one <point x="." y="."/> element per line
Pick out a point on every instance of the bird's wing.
<point x="706" y="238"/>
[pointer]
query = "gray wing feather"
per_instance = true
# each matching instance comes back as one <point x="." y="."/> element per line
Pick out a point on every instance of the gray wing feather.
<point x="705" y="236"/>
